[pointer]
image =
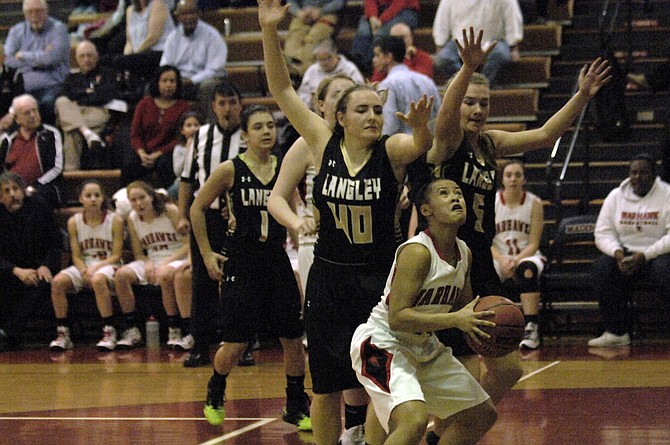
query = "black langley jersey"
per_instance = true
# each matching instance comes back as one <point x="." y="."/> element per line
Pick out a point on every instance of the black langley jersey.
<point x="249" y="216"/>
<point x="478" y="183"/>
<point x="357" y="213"/>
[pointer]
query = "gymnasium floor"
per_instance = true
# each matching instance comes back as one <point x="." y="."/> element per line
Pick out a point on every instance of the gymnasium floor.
<point x="568" y="395"/>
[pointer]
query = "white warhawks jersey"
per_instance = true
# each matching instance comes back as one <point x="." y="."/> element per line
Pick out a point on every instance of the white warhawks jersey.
<point x="159" y="238"/>
<point x="513" y="225"/>
<point x="440" y="291"/>
<point x="95" y="243"/>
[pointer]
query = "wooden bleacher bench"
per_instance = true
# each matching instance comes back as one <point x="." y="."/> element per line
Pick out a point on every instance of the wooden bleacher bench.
<point x="73" y="21"/>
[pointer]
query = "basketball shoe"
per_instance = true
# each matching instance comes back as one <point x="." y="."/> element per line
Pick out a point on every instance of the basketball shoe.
<point x="108" y="341"/>
<point x="214" y="410"/>
<point x="353" y="436"/>
<point x="183" y="344"/>
<point x="130" y="339"/>
<point x="62" y="341"/>
<point x="297" y="413"/>
<point x="174" y="335"/>
<point x="531" y="336"/>
<point x="609" y="339"/>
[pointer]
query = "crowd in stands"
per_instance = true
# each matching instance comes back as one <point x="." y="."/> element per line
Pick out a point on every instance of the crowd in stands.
<point x="233" y="198"/>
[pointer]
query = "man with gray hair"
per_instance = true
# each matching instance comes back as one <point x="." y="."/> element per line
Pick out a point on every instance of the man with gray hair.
<point x="39" y="48"/>
<point x="81" y="109"/>
<point x="34" y="151"/>
<point x="328" y="64"/>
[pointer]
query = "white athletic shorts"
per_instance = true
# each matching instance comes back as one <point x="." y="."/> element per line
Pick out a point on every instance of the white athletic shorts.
<point x="538" y="259"/>
<point x="138" y="268"/>
<point x="78" y="282"/>
<point x="425" y="371"/>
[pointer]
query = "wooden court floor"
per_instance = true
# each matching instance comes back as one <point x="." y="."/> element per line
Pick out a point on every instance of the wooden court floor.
<point x="568" y="395"/>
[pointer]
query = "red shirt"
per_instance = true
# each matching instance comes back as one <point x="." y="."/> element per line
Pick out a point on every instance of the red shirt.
<point x="23" y="159"/>
<point x="421" y="62"/>
<point x="155" y="129"/>
<point x="390" y="8"/>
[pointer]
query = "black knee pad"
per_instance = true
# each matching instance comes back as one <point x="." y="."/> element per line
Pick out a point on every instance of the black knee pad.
<point x="526" y="285"/>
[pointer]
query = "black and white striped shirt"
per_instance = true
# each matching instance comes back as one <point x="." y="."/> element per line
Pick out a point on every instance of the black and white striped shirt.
<point x="213" y="145"/>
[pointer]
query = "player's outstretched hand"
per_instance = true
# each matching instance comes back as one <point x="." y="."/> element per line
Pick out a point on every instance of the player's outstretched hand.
<point x="471" y="51"/>
<point x="419" y="113"/>
<point x="593" y="77"/>
<point x="271" y="13"/>
<point x="470" y="321"/>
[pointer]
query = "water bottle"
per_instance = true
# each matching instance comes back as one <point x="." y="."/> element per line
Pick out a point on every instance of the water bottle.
<point x="153" y="333"/>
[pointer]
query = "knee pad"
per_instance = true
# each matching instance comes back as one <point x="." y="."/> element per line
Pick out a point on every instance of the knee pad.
<point x="526" y="277"/>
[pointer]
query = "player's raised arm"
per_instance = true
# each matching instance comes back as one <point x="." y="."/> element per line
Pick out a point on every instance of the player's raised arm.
<point x="310" y="126"/>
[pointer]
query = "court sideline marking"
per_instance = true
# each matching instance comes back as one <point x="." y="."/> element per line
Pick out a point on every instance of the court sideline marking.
<point x="537" y="371"/>
<point x="238" y="432"/>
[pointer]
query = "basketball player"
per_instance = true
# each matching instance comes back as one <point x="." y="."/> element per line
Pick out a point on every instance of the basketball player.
<point x="407" y="372"/>
<point x="299" y="158"/>
<point x="96" y="244"/>
<point x="152" y="226"/>
<point x="259" y="288"/>
<point x="516" y="254"/>
<point x="357" y="184"/>
<point x="464" y="151"/>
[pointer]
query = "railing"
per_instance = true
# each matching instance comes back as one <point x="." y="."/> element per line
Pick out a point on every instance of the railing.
<point x="607" y="22"/>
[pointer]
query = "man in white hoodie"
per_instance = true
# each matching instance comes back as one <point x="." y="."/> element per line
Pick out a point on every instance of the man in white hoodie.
<point x="633" y="232"/>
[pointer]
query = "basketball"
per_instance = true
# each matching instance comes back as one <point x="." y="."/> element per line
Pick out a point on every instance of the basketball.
<point x="507" y="333"/>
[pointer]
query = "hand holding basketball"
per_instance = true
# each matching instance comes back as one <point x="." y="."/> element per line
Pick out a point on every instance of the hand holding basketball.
<point x="507" y="331"/>
<point x="473" y="323"/>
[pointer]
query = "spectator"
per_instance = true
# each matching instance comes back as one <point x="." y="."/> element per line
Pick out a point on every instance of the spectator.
<point x="501" y="21"/>
<point x="30" y="253"/>
<point x="81" y="107"/>
<point x="416" y="59"/>
<point x="378" y="18"/>
<point x="159" y="252"/>
<point x="39" y="48"/>
<point x="153" y="133"/>
<point x="34" y="151"/>
<point x="328" y="64"/>
<point x="96" y="244"/>
<point x="213" y="144"/>
<point x="148" y="24"/>
<point x="313" y="21"/>
<point x="402" y="85"/>
<point x="633" y="233"/>
<point x="199" y="52"/>
<point x="516" y="255"/>
<point x="188" y="125"/>
<point x="11" y="85"/>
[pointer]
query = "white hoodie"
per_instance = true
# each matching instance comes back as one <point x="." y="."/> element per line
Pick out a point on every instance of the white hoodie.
<point x="636" y="224"/>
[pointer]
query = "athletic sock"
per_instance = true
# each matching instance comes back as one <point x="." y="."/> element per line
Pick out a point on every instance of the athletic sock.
<point x="108" y="321"/>
<point x="295" y="388"/>
<point x="354" y="415"/>
<point x="531" y="318"/>
<point x="185" y="326"/>
<point x="130" y="320"/>
<point x="173" y="321"/>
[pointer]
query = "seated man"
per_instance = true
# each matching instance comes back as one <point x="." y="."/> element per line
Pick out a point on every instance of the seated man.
<point x="30" y="253"/>
<point x="313" y="21"/>
<point x="402" y="85"/>
<point x="80" y="108"/>
<point x="501" y="21"/>
<point x="328" y="64"/>
<point x="39" y="48"/>
<point x="416" y="59"/>
<point x="633" y="233"/>
<point x="197" y="49"/>
<point x="11" y="85"/>
<point x="34" y="151"/>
